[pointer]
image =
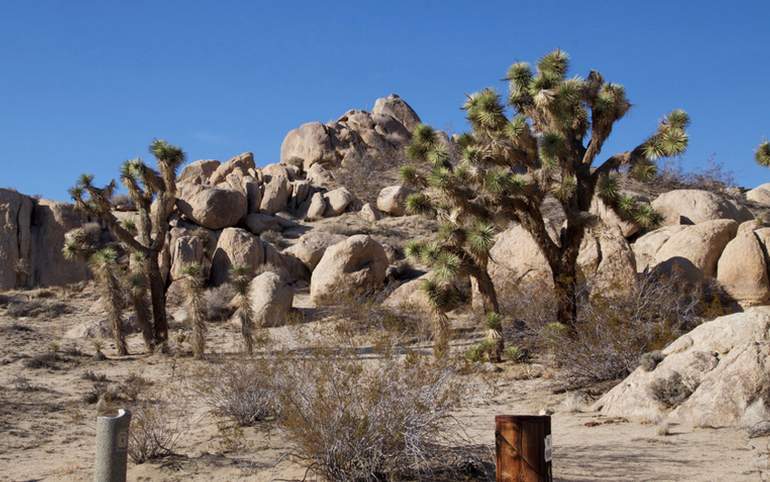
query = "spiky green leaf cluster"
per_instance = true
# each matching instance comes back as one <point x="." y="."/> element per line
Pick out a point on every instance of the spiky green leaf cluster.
<point x="762" y="155"/>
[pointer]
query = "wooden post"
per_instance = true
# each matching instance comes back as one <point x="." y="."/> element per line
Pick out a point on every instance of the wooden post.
<point x="523" y="448"/>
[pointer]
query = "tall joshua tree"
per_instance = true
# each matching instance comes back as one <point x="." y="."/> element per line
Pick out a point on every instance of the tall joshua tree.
<point x="154" y="195"/>
<point x="241" y="277"/>
<point x="106" y="270"/>
<point x="548" y="146"/>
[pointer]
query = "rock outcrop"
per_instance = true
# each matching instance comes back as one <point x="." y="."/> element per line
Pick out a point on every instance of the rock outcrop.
<point x="742" y="268"/>
<point x="715" y="376"/>
<point x="310" y="247"/>
<point x="212" y="207"/>
<point x="354" y="266"/>
<point x="694" y="206"/>
<point x="392" y="200"/>
<point x="760" y="195"/>
<point x="271" y="299"/>
<point x="235" y="247"/>
<point x="15" y="238"/>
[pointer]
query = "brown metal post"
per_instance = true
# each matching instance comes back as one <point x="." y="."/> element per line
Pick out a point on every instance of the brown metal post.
<point x="523" y="448"/>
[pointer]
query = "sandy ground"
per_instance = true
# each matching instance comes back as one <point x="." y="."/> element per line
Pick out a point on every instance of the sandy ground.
<point x="47" y="430"/>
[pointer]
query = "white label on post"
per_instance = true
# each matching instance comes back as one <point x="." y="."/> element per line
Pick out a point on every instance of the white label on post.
<point x="548" y="449"/>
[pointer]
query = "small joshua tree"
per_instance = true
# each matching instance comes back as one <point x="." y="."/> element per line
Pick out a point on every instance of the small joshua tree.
<point x="506" y="167"/>
<point x="137" y="290"/>
<point x="241" y="277"/>
<point x="193" y="284"/>
<point x="80" y="243"/>
<point x="154" y="195"/>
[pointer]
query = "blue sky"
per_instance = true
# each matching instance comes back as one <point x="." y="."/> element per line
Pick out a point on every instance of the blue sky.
<point x="85" y="85"/>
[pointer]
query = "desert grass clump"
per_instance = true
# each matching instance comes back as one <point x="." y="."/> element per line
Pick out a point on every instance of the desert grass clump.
<point x="37" y="308"/>
<point x="153" y="433"/>
<point x="239" y="390"/>
<point x="240" y="277"/>
<point x="193" y="285"/>
<point x="381" y="420"/>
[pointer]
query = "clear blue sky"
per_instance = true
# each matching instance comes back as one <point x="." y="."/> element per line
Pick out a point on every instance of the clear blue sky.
<point x="85" y="85"/>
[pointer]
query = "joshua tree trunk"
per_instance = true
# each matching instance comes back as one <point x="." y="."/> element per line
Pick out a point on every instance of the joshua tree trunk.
<point x="440" y="334"/>
<point x="158" y="296"/>
<point x="112" y="294"/>
<point x="139" y="302"/>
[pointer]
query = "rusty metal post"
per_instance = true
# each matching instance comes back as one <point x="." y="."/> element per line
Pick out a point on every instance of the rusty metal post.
<point x="523" y="446"/>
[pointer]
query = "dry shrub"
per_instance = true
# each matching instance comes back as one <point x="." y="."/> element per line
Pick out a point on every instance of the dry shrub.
<point x="612" y="333"/>
<point x="37" y="308"/>
<point x="364" y="314"/>
<point x="385" y="419"/>
<point x="238" y="390"/>
<point x="670" y="391"/>
<point x="714" y="177"/>
<point x="153" y="434"/>
<point x="218" y="302"/>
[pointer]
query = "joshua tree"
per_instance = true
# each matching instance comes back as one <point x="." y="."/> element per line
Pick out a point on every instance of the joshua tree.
<point x="762" y="155"/>
<point x="548" y="147"/>
<point x="461" y="249"/>
<point x="137" y="290"/>
<point x="154" y="195"/>
<point x="193" y="284"/>
<point x="241" y="277"/>
<point x="104" y="265"/>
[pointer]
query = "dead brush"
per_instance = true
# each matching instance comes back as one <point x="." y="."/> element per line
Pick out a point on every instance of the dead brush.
<point x="236" y="389"/>
<point x="611" y="333"/>
<point x="153" y="434"/>
<point x="385" y="419"/>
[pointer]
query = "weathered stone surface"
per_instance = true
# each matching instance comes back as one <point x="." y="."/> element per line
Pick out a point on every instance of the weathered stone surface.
<point x="212" y="207"/>
<point x="337" y="201"/>
<point x="396" y="107"/>
<point x="235" y="247"/>
<point x="319" y="176"/>
<point x="271" y="299"/>
<point x="310" y="142"/>
<point x="51" y="221"/>
<point x="293" y="269"/>
<point x="353" y="266"/>
<point x="300" y="192"/>
<point x="742" y="268"/>
<point x="724" y="363"/>
<point x="310" y="247"/>
<point x="760" y="195"/>
<point x="369" y="213"/>
<point x="254" y="192"/>
<point x="186" y="250"/>
<point x="392" y="200"/>
<point x="607" y="262"/>
<point x="198" y="172"/>
<point x="317" y="207"/>
<point x="646" y="247"/>
<point x="15" y="237"/>
<point x="611" y="218"/>
<point x="275" y="197"/>
<point x="258" y="223"/>
<point x="701" y="245"/>
<point x="516" y="259"/>
<point x="693" y="206"/>
<point x="241" y="164"/>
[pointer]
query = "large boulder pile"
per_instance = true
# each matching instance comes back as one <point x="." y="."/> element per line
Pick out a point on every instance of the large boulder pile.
<point x="356" y="136"/>
<point x="718" y="375"/>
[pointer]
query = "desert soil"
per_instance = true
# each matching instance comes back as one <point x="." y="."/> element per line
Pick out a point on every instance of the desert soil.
<point x="47" y="430"/>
